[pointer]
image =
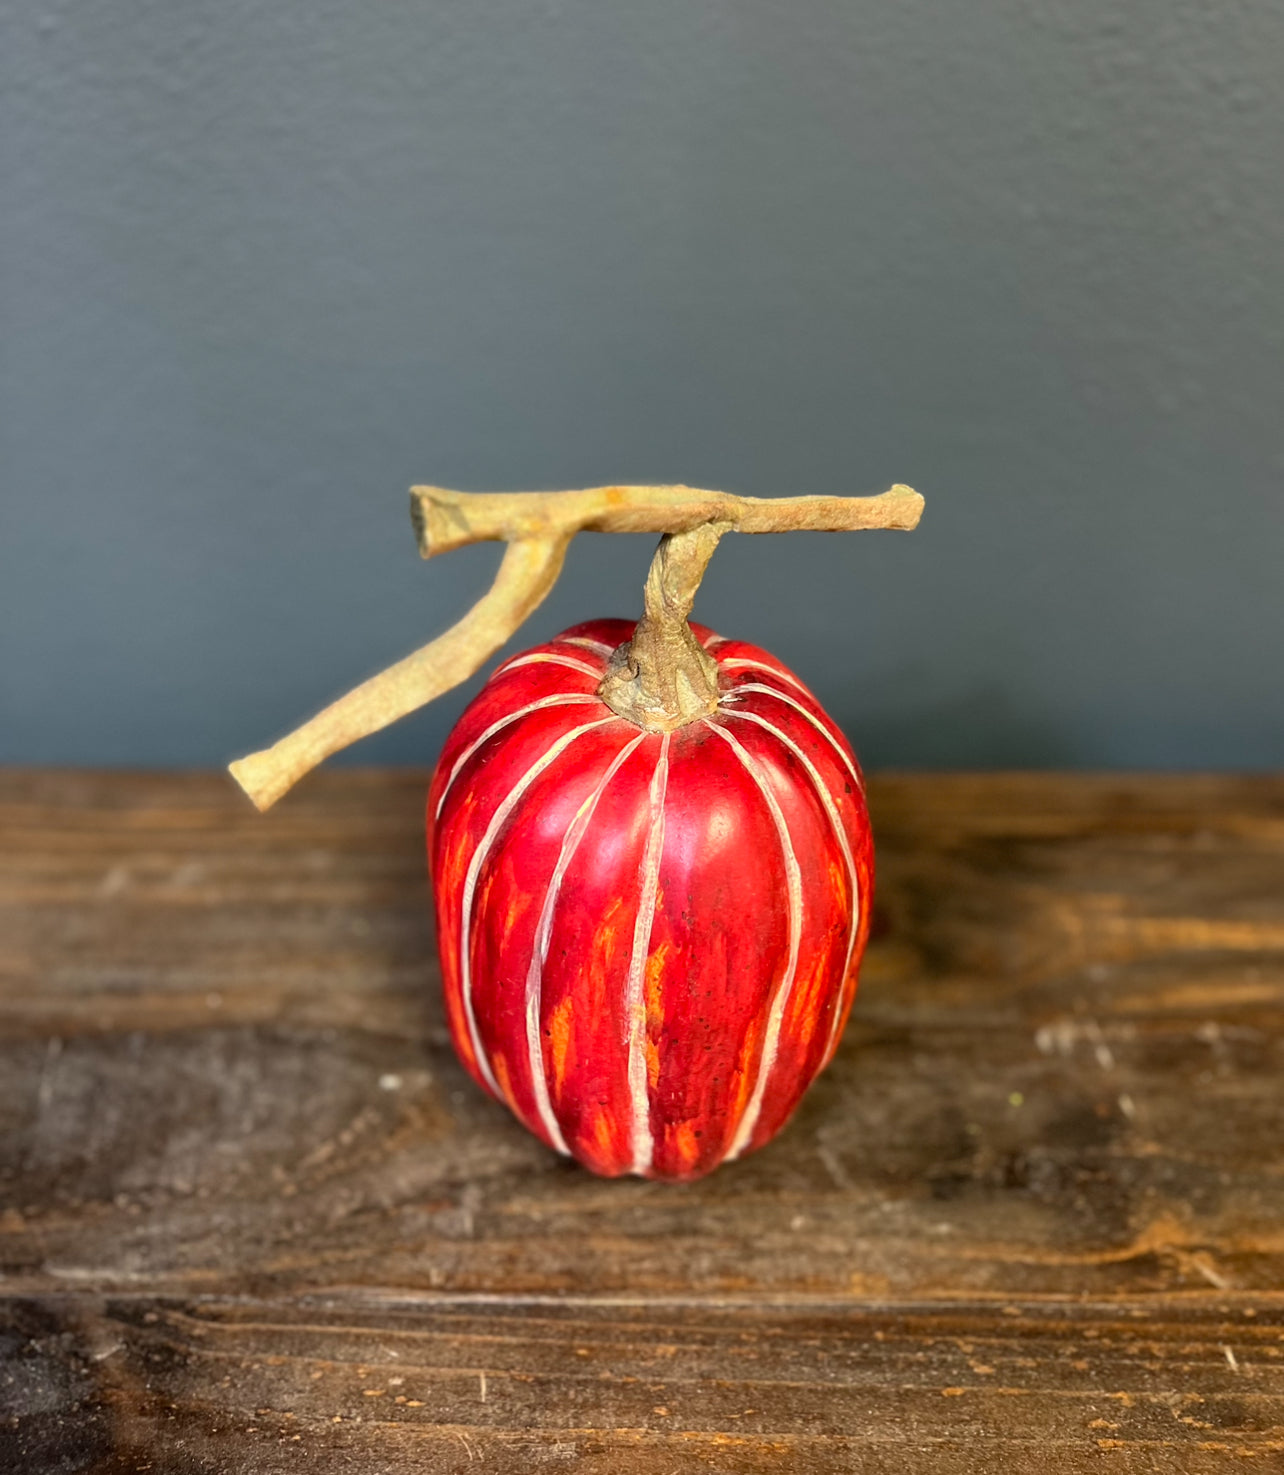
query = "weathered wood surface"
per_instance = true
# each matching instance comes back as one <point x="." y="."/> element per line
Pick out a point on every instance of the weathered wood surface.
<point x="253" y="1217"/>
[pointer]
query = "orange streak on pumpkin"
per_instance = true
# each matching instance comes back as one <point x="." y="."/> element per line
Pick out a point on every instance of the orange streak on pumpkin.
<point x="558" y="1029"/>
<point x="811" y="988"/>
<point x="749" y="1051"/>
<point x="454" y="862"/>
<point x="653" y="982"/>
<point x="519" y="903"/>
<point x="499" y="1068"/>
<point x="604" y="1134"/>
<point x="683" y="1137"/>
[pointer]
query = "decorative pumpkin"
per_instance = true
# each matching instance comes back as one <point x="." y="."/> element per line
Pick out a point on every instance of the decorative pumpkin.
<point x="649" y="939"/>
<point x="649" y="847"/>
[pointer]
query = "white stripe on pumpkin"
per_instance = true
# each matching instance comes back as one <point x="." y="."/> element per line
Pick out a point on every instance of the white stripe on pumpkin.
<point x="783" y="696"/>
<point x="546" y="658"/>
<point x="543" y="936"/>
<point x="747" y="663"/>
<point x="564" y="699"/>
<point x="497" y="821"/>
<point x="831" y="809"/>
<point x="776" y="1013"/>
<point x="600" y="647"/>
<point x="635" y="994"/>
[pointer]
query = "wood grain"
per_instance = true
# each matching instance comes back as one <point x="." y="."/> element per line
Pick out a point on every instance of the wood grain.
<point x="254" y="1217"/>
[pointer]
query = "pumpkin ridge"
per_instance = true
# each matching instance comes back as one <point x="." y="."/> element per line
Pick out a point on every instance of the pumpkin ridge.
<point x="558" y="699"/>
<point x="476" y="861"/>
<point x="835" y="819"/>
<point x="543" y="936"/>
<point x="820" y="727"/>
<point x="776" y="1011"/>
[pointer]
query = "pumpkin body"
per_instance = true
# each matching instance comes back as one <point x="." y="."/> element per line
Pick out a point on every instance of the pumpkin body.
<point x="649" y="942"/>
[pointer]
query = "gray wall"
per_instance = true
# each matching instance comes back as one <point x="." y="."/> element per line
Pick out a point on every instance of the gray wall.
<point x="266" y="265"/>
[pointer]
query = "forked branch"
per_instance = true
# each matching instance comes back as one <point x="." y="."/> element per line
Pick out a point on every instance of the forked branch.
<point x="538" y="527"/>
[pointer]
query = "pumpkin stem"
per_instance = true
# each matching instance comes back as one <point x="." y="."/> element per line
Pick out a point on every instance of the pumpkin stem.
<point x="664" y="678"/>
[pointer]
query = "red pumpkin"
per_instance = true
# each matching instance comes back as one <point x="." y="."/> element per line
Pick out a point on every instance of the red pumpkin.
<point x="649" y="940"/>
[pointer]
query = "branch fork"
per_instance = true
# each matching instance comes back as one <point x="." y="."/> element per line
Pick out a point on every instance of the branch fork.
<point x="660" y="680"/>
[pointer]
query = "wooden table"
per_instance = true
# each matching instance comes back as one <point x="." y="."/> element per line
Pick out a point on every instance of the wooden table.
<point x="254" y="1217"/>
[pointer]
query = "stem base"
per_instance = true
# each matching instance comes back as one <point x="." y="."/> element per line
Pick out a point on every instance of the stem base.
<point x="663" y="678"/>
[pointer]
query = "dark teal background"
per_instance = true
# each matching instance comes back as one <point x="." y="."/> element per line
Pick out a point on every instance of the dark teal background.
<point x="262" y="266"/>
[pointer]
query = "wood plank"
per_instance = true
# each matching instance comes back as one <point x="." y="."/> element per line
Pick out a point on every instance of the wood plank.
<point x="666" y="1385"/>
<point x="241" y="1171"/>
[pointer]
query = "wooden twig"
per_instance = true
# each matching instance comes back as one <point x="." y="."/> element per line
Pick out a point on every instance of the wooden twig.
<point x="445" y="520"/>
<point x="538" y="527"/>
<point x="528" y="571"/>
